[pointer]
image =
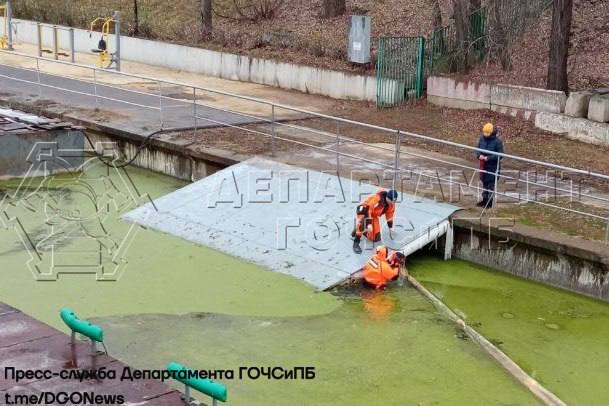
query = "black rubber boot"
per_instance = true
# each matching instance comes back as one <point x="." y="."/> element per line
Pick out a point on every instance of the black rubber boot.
<point x="356" y="248"/>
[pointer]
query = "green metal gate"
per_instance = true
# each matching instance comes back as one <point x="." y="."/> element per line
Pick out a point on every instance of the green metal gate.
<point x="400" y="70"/>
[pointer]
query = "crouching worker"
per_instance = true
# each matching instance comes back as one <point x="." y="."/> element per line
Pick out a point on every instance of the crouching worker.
<point x="368" y="214"/>
<point x="383" y="268"/>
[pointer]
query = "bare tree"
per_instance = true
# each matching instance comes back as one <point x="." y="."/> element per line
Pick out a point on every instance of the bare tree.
<point x="507" y="21"/>
<point x="562" y="13"/>
<point x="437" y="15"/>
<point x="136" y="20"/>
<point x="248" y="10"/>
<point x="461" y="12"/>
<point x="333" y="8"/>
<point x="206" y="19"/>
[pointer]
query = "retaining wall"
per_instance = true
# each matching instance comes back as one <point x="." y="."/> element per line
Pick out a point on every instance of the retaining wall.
<point x="579" y="129"/>
<point x="336" y="84"/>
<point x="453" y="93"/>
<point x="507" y="99"/>
<point x="577" y="266"/>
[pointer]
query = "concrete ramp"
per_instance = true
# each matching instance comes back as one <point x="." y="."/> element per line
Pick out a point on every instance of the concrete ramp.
<point x="288" y="219"/>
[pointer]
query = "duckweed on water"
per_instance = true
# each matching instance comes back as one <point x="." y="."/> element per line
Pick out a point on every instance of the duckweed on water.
<point x="177" y="301"/>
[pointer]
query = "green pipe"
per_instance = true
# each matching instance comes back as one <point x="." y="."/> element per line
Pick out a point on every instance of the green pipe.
<point x="214" y="389"/>
<point x="81" y="326"/>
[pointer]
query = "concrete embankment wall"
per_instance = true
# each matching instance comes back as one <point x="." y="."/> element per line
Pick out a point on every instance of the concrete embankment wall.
<point x="571" y="264"/>
<point x="336" y="84"/>
<point x="577" y="266"/>
<point x="530" y="254"/>
<point x="548" y="109"/>
<point x="507" y="99"/>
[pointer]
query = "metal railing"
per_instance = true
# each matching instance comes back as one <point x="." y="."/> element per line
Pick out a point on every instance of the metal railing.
<point x="270" y="124"/>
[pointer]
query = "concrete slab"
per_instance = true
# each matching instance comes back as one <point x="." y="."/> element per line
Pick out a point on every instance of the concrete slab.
<point x="577" y="104"/>
<point x="289" y="219"/>
<point x="598" y="110"/>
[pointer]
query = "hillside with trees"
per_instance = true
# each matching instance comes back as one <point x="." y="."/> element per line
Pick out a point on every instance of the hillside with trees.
<point x="315" y="32"/>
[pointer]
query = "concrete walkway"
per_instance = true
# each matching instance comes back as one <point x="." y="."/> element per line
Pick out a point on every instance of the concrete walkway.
<point x="27" y="344"/>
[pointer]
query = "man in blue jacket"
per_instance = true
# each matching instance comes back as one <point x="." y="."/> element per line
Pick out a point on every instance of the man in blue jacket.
<point x="489" y="162"/>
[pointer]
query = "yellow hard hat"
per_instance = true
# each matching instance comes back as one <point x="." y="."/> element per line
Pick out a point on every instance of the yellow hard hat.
<point x="488" y="129"/>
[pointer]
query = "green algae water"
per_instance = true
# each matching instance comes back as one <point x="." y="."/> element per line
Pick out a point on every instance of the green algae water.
<point x="559" y="338"/>
<point x="163" y="274"/>
<point x="175" y="301"/>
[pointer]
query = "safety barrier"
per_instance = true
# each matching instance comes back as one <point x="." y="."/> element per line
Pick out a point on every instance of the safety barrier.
<point x="554" y="181"/>
<point x="87" y="329"/>
<point x="216" y="390"/>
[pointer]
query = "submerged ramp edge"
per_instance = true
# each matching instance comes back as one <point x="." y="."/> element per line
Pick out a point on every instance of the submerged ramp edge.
<point x="291" y="220"/>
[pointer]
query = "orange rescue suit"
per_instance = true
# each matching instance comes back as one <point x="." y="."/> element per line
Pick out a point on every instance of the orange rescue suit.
<point x="378" y="272"/>
<point x="369" y="213"/>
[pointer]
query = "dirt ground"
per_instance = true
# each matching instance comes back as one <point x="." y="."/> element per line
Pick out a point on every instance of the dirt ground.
<point x="297" y="33"/>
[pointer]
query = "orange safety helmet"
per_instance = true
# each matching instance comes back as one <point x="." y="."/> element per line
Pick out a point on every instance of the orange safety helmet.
<point x="488" y="129"/>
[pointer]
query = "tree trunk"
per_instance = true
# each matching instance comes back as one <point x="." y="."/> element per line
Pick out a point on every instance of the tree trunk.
<point x="562" y="13"/>
<point x="206" y="19"/>
<point x="136" y="19"/>
<point x="461" y="11"/>
<point x="437" y="15"/>
<point x="333" y="8"/>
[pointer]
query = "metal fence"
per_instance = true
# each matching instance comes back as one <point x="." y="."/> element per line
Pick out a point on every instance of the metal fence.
<point x="400" y="72"/>
<point x="551" y="181"/>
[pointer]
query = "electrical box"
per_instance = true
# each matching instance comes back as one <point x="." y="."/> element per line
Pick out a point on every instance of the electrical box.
<point x="359" y="39"/>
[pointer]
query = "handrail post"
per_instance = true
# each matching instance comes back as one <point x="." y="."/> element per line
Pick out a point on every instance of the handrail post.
<point x="38" y="77"/>
<point x="494" y="197"/>
<point x="161" y="104"/>
<point x="337" y="146"/>
<point x="187" y="396"/>
<point x="95" y="88"/>
<point x="194" y="109"/>
<point x="396" y="168"/>
<point x="273" y="129"/>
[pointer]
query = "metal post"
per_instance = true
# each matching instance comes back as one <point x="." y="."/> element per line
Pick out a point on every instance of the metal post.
<point x="337" y="147"/>
<point x="55" y="43"/>
<point x="187" y="394"/>
<point x="73" y="338"/>
<point x="95" y="89"/>
<point x="194" y="108"/>
<point x="93" y="348"/>
<point x="38" y="77"/>
<point x="161" y="104"/>
<point x="397" y="159"/>
<point x="9" y="24"/>
<point x="494" y="195"/>
<point x="117" y="35"/>
<point x="272" y="130"/>
<point x="39" y="30"/>
<point x="72" y="52"/>
<point x="214" y="402"/>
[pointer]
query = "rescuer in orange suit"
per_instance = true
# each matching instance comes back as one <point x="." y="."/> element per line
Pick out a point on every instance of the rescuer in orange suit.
<point x="368" y="214"/>
<point x="382" y="268"/>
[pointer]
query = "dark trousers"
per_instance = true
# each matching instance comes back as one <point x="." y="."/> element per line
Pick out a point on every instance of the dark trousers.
<point x="488" y="183"/>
